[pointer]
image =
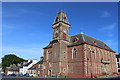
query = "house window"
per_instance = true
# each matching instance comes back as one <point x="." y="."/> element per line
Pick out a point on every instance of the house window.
<point x="74" y="53"/>
<point x="118" y="65"/>
<point x="117" y="59"/>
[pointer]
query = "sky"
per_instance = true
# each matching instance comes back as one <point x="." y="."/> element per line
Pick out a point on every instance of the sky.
<point x="27" y="26"/>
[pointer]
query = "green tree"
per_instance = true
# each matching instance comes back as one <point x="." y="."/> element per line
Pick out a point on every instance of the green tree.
<point x="9" y="59"/>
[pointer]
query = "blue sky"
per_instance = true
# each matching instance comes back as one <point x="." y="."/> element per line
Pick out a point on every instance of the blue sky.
<point x="27" y="27"/>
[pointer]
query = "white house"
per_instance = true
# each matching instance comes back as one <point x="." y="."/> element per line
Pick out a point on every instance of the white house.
<point x="13" y="69"/>
<point x="24" y="68"/>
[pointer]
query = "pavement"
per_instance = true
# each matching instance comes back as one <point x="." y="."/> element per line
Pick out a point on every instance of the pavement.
<point x="51" y="78"/>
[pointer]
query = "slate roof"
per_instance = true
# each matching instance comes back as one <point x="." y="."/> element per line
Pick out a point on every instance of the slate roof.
<point x="50" y="44"/>
<point x="40" y="62"/>
<point x="61" y="17"/>
<point x="13" y="68"/>
<point x="83" y="38"/>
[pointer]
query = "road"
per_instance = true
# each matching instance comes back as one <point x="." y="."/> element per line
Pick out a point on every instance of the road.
<point x="38" y="78"/>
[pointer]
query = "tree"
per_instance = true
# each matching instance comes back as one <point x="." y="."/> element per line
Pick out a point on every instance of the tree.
<point x="9" y="59"/>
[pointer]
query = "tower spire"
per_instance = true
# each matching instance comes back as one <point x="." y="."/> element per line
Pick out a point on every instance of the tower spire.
<point x="61" y="17"/>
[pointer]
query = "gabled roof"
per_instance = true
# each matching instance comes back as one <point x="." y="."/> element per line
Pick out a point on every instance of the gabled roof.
<point x="33" y="67"/>
<point x="82" y="38"/>
<point x="28" y="63"/>
<point x="13" y="68"/>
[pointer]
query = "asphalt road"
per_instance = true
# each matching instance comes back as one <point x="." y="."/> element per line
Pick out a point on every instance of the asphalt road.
<point x="38" y="78"/>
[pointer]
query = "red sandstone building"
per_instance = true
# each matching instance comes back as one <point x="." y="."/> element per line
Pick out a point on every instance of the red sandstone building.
<point x="78" y="55"/>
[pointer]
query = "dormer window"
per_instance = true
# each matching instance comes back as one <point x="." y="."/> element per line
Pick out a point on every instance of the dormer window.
<point x="56" y="19"/>
<point x="76" y="39"/>
<point x="94" y="42"/>
<point x="64" y="17"/>
<point x="50" y="42"/>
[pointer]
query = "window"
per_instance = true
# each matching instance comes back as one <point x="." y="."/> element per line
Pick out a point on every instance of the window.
<point x="64" y="55"/>
<point x="118" y="65"/>
<point x="94" y="42"/>
<point x="55" y="55"/>
<point x="56" y="19"/>
<point x="75" y="40"/>
<point x="117" y="59"/>
<point x="64" y="70"/>
<point x="89" y="48"/>
<point x="64" y="36"/>
<point x="47" y="55"/>
<point x="74" y="53"/>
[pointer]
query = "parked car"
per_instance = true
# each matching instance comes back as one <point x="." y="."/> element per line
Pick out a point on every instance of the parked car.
<point x="13" y="75"/>
<point x="35" y="75"/>
<point x="31" y="75"/>
<point x="20" y="75"/>
<point x="27" y="75"/>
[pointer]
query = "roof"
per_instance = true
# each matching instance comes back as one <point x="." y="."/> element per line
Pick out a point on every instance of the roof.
<point x="118" y="55"/>
<point x="28" y="63"/>
<point x="82" y="38"/>
<point x="33" y="67"/>
<point x="13" y="68"/>
<point x="61" y="17"/>
<point x="40" y="62"/>
<point x="50" y="44"/>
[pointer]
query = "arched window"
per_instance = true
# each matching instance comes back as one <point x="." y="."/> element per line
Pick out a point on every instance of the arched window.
<point x="74" y="53"/>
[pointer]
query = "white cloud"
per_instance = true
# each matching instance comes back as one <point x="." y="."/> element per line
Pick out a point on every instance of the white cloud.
<point x="105" y="14"/>
<point x="109" y="29"/>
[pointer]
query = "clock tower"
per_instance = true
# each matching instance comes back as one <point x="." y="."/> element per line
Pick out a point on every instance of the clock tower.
<point x="61" y="27"/>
